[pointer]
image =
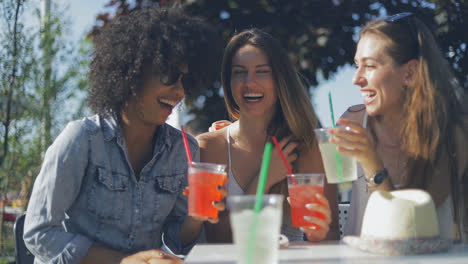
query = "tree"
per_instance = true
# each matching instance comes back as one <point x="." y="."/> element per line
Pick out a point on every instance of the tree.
<point x="31" y="93"/>
<point x="320" y="35"/>
<point x="55" y="85"/>
<point x="55" y="72"/>
<point x="452" y="21"/>
<point x="11" y="74"/>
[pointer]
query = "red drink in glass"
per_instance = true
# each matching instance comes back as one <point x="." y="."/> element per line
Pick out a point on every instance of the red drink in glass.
<point x="299" y="196"/>
<point x="204" y="179"/>
<point x="302" y="191"/>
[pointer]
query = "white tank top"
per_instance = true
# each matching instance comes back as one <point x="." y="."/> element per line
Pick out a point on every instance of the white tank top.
<point x="233" y="186"/>
<point x="291" y="232"/>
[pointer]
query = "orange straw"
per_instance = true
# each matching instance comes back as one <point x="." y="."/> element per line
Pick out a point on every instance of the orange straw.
<point x="285" y="162"/>
<point x="186" y="145"/>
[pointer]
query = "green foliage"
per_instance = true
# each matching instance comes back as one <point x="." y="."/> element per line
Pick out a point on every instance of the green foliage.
<point x="56" y="77"/>
<point x="317" y="34"/>
<point x="40" y="73"/>
<point x="14" y="72"/>
<point x="320" y="35"/>
<point x="48" y="73"/>
<point x="7" y="253"/>
<point x="452" y="21"/>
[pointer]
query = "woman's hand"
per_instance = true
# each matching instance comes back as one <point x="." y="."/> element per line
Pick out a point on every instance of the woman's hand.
<point x="218" y="125"/>
<point x="220" y="205"/>
<point x="353" y="140"/>
<point x="321" y="225"/>
<point x="277" y="170"/>
<point x="153" y="256"/>
<point x="192" y="225"/>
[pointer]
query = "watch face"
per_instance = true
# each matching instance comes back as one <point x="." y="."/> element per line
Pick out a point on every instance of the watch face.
<point x="380" y="177"/>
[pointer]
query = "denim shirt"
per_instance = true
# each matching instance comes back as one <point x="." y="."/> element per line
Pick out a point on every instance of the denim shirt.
<point x="86" y="193"/>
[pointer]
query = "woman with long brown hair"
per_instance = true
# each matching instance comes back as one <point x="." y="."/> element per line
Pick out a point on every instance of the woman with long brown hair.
<point x="265" y="96"/>
<point x="411" y="130"/>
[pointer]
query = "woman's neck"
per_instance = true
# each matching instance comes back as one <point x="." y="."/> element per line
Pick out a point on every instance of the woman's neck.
<point x="139" y="140"/>
<point x="136" y="133"/>
<point x="388" y="128"/>
<point x="251" y="131"/>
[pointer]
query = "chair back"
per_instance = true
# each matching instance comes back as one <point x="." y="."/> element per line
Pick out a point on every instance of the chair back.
<point x="22" y="254"/>
<point x="343" y="216"/>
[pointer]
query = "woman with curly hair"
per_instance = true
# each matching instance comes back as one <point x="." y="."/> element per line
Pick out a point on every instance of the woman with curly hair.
<point x="110" y="188"/>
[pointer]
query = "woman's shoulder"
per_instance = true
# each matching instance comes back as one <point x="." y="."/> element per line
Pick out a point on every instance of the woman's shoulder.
<point x="75" y="135"/>
<point x="81" y="127"/>
<point x="212" y="140"/>
<point x="355" y="113"/>
<point x="213" y="146"/>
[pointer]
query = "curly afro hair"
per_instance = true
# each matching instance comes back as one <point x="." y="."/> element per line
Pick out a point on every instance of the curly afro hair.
<point x="160" y="40"/>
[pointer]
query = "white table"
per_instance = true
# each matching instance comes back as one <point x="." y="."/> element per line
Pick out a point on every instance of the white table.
<point x="335" y="252"/>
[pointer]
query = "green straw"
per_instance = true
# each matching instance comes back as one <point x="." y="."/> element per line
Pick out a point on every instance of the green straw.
<point x="337" y="154"/>
<point x="263" y="177"/>
<point x="259" y="199"/>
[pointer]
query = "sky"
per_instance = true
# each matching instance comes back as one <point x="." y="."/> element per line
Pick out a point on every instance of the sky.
<point x="82" y="15"/>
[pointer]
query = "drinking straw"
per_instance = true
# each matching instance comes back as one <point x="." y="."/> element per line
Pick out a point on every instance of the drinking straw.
<point x="285" y="162"/>
<point x="263" y="176"/>
<point x="186" y="145"/>
<point x="337" y="154"/>
<point x="259" y="199"/>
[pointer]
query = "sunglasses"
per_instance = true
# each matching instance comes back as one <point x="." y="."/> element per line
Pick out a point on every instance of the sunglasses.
<point x="398" y="16"/>
<point x="402" y="18"/>
<point x="170" y="78"/>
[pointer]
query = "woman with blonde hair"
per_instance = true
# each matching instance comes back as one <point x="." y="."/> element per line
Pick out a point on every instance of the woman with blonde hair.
<point x="411" y="130"/>
<point x="265" y="96"/>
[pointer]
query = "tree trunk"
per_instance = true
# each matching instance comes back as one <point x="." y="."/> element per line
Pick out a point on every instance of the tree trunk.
<point x="46" y="120"/>
<point x="11" y="88"/>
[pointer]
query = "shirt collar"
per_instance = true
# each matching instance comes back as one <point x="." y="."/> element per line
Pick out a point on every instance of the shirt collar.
<point x="163" y="136"/>
<point x="111" y="129"/>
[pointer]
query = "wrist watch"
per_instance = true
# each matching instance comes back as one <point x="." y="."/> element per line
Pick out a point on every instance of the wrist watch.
<point x="378" y="178"/>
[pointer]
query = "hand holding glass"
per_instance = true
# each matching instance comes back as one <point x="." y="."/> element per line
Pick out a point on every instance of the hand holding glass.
<point x="329" y="152"/>
<point x="303" y="188"/>
<point x="204" y="179"/>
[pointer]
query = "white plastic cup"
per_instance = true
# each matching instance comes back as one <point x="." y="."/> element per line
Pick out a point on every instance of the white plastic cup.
<point x="328" y="151"/>
<point x="262" y="228"/>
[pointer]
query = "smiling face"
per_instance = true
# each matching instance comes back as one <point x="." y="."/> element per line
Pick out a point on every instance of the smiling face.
<point x="156" y="101"/>
<point x="252" y="82"/>
<point x="381" y="81"/>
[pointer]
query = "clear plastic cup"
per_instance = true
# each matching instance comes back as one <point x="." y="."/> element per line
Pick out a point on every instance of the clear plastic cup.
<point x="329" y="157"/>
<point x="260" y="230"/>
<point x="204" y="179"/>
<point x="302" y="188"/>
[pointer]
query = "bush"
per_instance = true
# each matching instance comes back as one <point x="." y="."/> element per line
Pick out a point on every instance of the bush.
<point x="7" y="250"/>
